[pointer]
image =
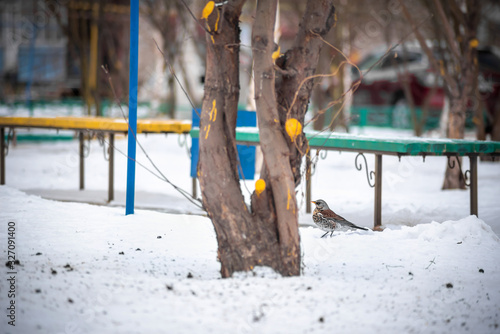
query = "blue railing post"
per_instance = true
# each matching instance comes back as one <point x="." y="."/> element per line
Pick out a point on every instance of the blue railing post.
<point x="132" y="105"/>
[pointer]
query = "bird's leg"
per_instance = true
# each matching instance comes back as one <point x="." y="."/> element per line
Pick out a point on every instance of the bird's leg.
<point x="331" y="233"/>
<point x="324" y="234"/>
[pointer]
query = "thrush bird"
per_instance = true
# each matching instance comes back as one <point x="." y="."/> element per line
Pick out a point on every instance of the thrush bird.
<point x="329" y="221"/>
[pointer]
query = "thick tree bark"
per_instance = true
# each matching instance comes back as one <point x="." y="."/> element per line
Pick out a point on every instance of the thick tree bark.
<point x="243" y="240"/>
<point x="454" y="178"/>
<point x="269" y="234"/>
<point x="279" y="99"/>
<point x="171" y="101"/>
<point x="495" y="132"/>
<point x="465" y="57"/>
<point x="272" y="140"/>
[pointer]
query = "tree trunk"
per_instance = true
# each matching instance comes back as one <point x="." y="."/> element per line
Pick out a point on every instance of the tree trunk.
<point x="495" y="127"/>
<point x="495" y="131"/>
<point x="457" y="66"/>
<point x="171" y="96"/>
<point x="459" y="101"/>
<point x="318" y="98"/>
<point x="278" y="101"/>
<point x="244" y="241"/>
<point x="454" y="178"/>
<point x="273" y="142"/>
<point x="321" y="93"/>
<point x="267" y="236"/>
<point x="171" y="101"/>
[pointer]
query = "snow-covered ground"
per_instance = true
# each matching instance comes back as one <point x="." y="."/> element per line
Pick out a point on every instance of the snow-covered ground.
<point x="91" y="269"/>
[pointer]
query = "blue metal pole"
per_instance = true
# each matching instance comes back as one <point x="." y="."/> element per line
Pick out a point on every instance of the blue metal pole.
<point x="132" y="105"/>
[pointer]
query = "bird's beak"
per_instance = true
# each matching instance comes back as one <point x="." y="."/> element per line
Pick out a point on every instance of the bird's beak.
<point x="313" y="202"/>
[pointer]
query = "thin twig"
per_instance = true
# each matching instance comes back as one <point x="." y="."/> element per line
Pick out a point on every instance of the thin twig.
<point x="356" y="84"/>
<point x="431" y="263"/>
<point x="194" y="17"/>
<point x="353" y="88"/>
<point x="194" y="108"/>
<point x="163" y="177"/>
<point x="176" y="78"/>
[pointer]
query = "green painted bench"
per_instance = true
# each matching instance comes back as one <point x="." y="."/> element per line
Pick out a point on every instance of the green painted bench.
<point x="387" y="146"/>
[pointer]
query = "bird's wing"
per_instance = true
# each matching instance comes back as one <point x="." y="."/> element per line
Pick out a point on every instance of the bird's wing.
<point x="339" y="219"/>
<point x="330" y="214"/>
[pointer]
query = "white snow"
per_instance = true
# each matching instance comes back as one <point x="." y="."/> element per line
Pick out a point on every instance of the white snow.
<point x="434" y="269"/>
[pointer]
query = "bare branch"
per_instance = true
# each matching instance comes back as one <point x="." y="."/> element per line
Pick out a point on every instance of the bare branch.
<point x="442" y="70"/>
<point x="160" y="175"/>
<point x="194" y="17"/>
<point x="176" y="78"/>
<point x="457" y="13"/>
<point x="448" y="31"/>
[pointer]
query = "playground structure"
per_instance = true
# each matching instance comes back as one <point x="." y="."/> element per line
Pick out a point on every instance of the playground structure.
<point x="83" y="126"/>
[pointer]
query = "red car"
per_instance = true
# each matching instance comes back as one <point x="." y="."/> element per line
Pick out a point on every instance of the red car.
<point x="380" y="98"/>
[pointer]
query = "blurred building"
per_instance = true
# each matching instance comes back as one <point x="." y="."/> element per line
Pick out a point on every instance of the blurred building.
<point x="33" y="51"/>
<point x="52" y="48"/>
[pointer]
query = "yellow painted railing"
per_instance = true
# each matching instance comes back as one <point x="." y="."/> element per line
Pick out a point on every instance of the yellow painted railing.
<point x="97" y="124"/>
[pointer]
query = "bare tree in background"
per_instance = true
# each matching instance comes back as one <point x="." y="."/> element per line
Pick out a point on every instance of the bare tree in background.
<point x="457" y="64"/>
<point x="98" y="34"/>
<point x="171" y="19"/>
<point x="329" y="92"/>
<point x="267" y="234"/>
<point x="490" y="27"/>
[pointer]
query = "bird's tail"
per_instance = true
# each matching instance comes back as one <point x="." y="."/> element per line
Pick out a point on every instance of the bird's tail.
<point x="348" y="223"/>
